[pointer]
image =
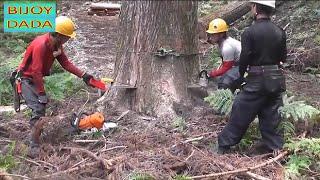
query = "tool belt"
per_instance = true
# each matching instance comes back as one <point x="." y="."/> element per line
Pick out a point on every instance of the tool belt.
<point x="271" y="76"/>
<point x="262" y="69"/>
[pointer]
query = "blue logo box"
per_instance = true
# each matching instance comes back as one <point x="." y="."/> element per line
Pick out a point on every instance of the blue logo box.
<point x="29" y="16"/>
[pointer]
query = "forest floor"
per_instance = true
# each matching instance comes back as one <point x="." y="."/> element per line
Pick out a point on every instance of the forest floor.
<point x="141" y="147"/>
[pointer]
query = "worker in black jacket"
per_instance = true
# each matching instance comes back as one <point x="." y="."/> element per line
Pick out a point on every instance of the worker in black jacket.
<point x="263" y="48"/>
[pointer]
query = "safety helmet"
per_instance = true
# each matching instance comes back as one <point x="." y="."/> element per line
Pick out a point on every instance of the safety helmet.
<point x="65" y="26"/>
<point x="270" y="3"/>
<point x="217" y="26"/>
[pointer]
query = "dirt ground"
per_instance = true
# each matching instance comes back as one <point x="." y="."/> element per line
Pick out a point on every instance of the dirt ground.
<point x="140" y="144"/>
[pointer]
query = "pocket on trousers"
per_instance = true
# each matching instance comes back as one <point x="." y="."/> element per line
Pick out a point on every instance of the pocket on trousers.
<point x="274" y="83"/>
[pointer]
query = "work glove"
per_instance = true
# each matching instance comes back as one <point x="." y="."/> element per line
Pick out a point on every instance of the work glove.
<point x="86" y="78"/>
<point x="43" y="98"/>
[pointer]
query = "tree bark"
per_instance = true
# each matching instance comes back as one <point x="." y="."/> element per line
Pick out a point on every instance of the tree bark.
<point x="160" y="82"/>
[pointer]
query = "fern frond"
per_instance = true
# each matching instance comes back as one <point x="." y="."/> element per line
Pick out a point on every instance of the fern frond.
<point x="298" y="110"/>
<point x="221" y="100"/>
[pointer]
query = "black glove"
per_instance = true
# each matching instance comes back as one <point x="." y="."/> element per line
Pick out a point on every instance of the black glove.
<point x="86" y="78"/>
<point x="43" y="98"/>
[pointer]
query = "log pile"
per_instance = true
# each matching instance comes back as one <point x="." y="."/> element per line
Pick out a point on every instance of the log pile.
<point x="104" y="9"/>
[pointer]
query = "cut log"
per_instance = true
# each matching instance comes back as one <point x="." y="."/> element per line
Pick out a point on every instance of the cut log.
<point x="232" y="12"/>
<point x="237" y="10"/>
<point x="104" y="9"/>
<point x="103" y="6"/>
<point x="10" y="109"/>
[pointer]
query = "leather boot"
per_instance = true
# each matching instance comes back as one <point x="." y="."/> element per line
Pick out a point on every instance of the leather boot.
<point x="36" y="130"/>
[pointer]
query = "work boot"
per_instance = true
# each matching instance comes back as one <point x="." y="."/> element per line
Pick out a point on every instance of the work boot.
<point x="36" y="130"/>
<point x="258" y="149"/>
<point x="221" y="149"/>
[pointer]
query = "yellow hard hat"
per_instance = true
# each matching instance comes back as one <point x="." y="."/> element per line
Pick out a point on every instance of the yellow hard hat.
<point x="217" y="26"/>
<point x="65" y="26"/>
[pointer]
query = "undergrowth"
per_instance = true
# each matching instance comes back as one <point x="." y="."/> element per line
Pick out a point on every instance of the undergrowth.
<point x="7" y="160"/>
<point x="305" y="158"/>
<point x="140" y="176"/>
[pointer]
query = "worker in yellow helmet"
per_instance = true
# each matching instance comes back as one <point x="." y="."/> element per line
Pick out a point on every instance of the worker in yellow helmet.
<point x="229" y="48"/>
<point x="36" y="64"/>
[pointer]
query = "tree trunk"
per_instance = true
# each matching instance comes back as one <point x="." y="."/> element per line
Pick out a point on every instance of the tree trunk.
<point x="159" y="83"/>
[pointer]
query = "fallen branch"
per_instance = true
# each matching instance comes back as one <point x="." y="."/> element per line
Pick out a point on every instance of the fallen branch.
<point x="84" y="166"/>
<point x="29" y="160"/>
<point x="193" y="139"/>
<point x="3" y="175"/>
<point x="122" y="115"/>
<point x="190" y="155"/>
<point x="49" y="164"/>
<point x="89" y="153"/>
<point x="77" y="164"/>
<point x="69" y="170"/>
<point x="116" y="147"/>
<point x="281" y="155"/>
<point x="86" y="141"/>
<point x="256" y="176"/>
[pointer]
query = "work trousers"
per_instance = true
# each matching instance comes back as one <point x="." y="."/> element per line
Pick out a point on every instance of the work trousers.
<point x="249" y="103"/>
<point x="30" y="95"/>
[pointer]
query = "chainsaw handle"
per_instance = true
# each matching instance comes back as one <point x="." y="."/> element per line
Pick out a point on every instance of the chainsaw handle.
<point x="205" y="72"/>
<point x="18" y="86"/>
<point x="98" y="84"/>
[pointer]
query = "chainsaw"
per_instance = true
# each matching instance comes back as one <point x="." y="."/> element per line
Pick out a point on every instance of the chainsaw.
<point x="203" y="78"/>
<point x="101" y="84"/>
<point x="84" y="121"/>
<point x="15" y="80"/>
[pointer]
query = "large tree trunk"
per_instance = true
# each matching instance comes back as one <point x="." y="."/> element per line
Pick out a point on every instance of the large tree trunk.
<point x="155" y="84"/>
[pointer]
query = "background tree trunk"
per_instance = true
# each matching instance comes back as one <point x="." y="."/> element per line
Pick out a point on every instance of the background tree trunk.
<point x="160" y="82"/>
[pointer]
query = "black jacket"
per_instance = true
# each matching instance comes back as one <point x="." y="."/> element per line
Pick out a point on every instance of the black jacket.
<point x="263" y="43"/>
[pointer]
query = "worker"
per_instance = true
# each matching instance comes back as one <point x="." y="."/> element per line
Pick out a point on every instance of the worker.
<point x="36" y="63"/>
<point x="263" y="49"/>
<point x="229" y="48"/>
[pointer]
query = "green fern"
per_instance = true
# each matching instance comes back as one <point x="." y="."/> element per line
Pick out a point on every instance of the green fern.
<point x="295" y="165"/>
<point x="288" y="129"/>
<point x="179" y="124"/>
<point x="140" y="176"/>
<point x="306" y="155"/>
<point x="7" y="160"/>
<point x="221" y="100"/>
<point x="308" y="146"/>
<point x="297" y="110"/>
<point x="181" y="177"/>
<point x="60" y="85"/>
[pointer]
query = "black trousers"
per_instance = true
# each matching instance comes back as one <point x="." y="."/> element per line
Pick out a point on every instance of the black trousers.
<point x="248" y="104"/>
<point x="30" y="95"/>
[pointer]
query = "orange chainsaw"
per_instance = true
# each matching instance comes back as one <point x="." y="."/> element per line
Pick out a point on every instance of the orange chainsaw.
<point x="85" y="121"/>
